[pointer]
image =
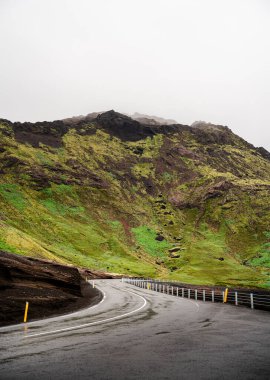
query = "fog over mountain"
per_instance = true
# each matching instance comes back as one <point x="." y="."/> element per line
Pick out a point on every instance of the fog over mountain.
<point x="184" y="60"/>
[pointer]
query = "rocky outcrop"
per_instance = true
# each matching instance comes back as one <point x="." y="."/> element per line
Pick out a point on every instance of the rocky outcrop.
<point x="49" y="288"/>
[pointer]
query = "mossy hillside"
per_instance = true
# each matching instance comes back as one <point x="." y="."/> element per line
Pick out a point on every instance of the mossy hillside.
<point x="101" y="202"/>
<point x="263" y="256"/>
<point x="53" y="230"/>
<point x="146" y="237"/>
<point x="11" y="194"/>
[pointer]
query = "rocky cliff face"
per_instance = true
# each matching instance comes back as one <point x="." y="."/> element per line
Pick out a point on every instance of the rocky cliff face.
<point x="50" y="289"/>
<point x="112" y="193"/>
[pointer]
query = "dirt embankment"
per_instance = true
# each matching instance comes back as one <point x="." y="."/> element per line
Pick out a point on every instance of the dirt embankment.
<point x="50" y="289"/>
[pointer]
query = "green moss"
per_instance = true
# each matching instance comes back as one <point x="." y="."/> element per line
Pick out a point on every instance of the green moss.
<point x="143" y="169"/>
<point x="146" y="237"/>
<point x="93" y="222"/>
<point x="44" y="159"/>
<point x="7" y="247"/>
<point x="167" y="177"/>
<point x="115" y="224"/>
<point x="12" y="194"/>
<point x="263" y="256"/>
<point x="58" y="208"/>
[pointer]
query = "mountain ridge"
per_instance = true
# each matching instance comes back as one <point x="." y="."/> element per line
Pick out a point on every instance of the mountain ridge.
<point x="184" y="202"/>
<point x="62" y="126"/>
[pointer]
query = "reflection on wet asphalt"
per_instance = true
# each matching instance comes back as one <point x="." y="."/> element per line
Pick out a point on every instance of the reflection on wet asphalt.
<point x="168" y="338"/>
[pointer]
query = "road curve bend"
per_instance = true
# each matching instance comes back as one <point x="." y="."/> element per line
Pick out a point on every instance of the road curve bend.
<point x="135" y="333"/>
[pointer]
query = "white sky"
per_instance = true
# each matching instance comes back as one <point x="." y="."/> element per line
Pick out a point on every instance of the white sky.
<point x="182" y="59"/>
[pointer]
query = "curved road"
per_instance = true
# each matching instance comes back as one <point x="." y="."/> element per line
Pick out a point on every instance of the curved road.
<point x="140" y="334"/>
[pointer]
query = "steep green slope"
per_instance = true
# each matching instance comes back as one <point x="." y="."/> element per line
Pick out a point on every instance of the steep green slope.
<point x="186" y="203"/>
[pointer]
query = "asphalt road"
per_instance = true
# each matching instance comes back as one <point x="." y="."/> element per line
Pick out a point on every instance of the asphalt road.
<point x="140" y="334"/>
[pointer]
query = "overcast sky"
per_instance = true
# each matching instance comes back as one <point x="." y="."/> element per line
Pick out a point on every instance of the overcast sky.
<point x="182" y="59"/>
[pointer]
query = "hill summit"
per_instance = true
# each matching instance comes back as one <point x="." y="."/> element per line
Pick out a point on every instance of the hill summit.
<point x="138" y="197"/>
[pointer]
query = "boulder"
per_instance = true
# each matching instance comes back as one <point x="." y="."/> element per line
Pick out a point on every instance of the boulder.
<point x="174" y="255"/>
<point x="175" y="249"/>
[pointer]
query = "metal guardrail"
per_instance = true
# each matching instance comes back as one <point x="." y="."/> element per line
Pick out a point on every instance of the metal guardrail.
<point x="254" y="300"/>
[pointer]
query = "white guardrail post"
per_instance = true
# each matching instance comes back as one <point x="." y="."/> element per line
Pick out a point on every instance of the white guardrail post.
<point x="251" y="301"/>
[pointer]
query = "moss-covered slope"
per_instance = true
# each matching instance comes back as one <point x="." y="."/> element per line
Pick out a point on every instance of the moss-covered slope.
<point x="109" y="193"/>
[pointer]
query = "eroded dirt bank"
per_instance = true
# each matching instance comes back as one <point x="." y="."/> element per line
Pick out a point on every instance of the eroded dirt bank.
<point x="51" y="289"/>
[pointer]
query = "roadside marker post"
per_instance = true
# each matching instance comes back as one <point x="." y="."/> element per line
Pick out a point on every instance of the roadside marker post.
<point x="188" y="293"/>
<point x="236" y="298"/>
<point x="213" y="296"/>
<point x="196" y="294"/>
<point x="93" y="283"/>
<point x="203" y="295"/>
<point x="26" y="312"/>
<point x="251" y="301"/>
<point x="225" y="295"/>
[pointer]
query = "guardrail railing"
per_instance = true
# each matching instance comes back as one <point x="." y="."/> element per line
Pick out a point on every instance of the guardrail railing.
<point x="255" y="299"/>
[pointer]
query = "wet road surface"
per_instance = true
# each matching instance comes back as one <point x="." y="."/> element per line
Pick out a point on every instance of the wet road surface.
<point x="140" y="334"/>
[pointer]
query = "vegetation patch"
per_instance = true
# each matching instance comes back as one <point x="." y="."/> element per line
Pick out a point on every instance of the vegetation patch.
<point x="146" y="237"/>
<point x="263" y="256"/>
<point x="12" y="194"/>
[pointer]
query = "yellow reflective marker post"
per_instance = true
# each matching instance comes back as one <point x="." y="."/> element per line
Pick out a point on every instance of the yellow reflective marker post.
<point x="225" y="295"/>
<point x="26" y="312"/>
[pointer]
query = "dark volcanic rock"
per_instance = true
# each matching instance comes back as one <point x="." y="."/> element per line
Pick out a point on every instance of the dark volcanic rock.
<point x="264" y="153"/>
<point x="159" y="237"/>
<point x="123" y="126"/>
<point x="47" y="133"/>
<point x="49" y="288"/>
